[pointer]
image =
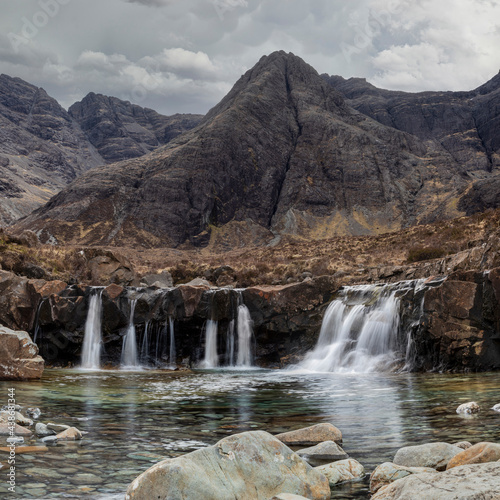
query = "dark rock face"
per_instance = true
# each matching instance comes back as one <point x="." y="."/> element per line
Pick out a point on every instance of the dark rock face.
<point x="42" y="148"/>
<point x="460" y="126"/>
<point x="284" y="153"/>
<point x="120" y="130"/>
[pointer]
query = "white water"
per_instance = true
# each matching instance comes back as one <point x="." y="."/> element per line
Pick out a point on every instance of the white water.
<point x="92" y="340"/>
<point x="211" y="359"/>
<point x="359" y="332"/>
<point x="172" y="354"/>
<point x="129" y="350"/>
<point x="230" y="344"/>
<point x="245" y="334"/>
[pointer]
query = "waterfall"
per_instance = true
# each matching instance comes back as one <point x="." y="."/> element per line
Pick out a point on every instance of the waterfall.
<point x="145" y="344"/>
<point x="360" y="331"/>
<point x="129" y="350"/>
<point x="211" y="359"/>
<point x="92" y="340"/>
<point x="230" y="344"/>
<point x="38" y="329"/>
<point x="245" y="334"/>
<point x="172" y="354"/>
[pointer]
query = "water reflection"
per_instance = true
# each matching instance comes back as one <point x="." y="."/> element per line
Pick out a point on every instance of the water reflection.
<point x="134" y="419"/>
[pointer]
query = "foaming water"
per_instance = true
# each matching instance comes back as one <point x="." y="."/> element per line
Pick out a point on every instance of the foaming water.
<point x="129" y="359"/>
<point x="360" y="331"/>
<point x="92" y="340"/>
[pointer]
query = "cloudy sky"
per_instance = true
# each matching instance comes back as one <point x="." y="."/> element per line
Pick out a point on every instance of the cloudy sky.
<point x="184" y="55"/>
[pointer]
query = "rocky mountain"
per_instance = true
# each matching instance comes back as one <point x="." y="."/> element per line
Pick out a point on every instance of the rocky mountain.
<point x="42" y="148"/>
<point x="283" y="153"/>
<point x="464" y="125"/>
<point x="120" y="130"/>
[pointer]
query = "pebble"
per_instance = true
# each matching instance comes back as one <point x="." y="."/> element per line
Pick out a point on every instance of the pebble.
<point x="33" y="412"/>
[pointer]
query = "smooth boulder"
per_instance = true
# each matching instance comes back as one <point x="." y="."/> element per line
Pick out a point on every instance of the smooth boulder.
<point x="388" y="472"/>
<point x="323" y="451"/>
<point x="480" y="453"/>
<point x="310" y="436"/>
<point x="433" y="455"/>
<point x="468" y="408"/>
<point x="19" y="359"/>
<point x="248" y="466"/>
<point x="342" y="471"/>
<point x="468" y="482"/>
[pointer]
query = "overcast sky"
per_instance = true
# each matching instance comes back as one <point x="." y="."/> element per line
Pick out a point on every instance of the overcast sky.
<point x="184" y="55"/>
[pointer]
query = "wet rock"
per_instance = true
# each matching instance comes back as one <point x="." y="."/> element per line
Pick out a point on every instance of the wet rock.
<point x="49" y="439"/>
<point x="480" y="453"/>
<point x="114" y="291"/>
<point x="288" y="496"/>
<point x="33" y="412"/>
<point x="71" y="434"/>
<point x="468" y="482"/>
<point x="57" y="427"/>
<point x="41" y="430"/>
<point x="328" y="450"/>
<point x="433" y="455"/>
<point x="18" y="430"/>
<point x="496" y="408"/>
<point x="19" y="418"/>
<point x="388" y="473"/>
<point x="463" y="444"/>
<point x="342" y="471"/>
<point x="19" y="359"/>
<point x="26" y="449"/>
<point x="309" y="436"/>
<point x="469" y="408"/>
<point x="249" y="466"/>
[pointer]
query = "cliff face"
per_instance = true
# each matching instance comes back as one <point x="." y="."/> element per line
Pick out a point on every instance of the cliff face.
<point x="120" y="130"/>
<point x="42" y="148"/>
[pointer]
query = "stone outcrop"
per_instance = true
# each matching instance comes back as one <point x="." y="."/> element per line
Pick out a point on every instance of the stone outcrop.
<point x="120" y="130"/>
<point x="479" y="453"/>
<point x="311" y="436"/>
<point x="433" y="455"/>
<point x="108" y="266"/>
<point x="19" y="359"/>
<point x="248" y="466"/>
<point x="282" y="154"/>
<point x="388" y="472"/>
<point x="469" y="482"/>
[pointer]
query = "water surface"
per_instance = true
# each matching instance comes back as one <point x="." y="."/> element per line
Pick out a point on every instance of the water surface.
<point x="134" y="419"/>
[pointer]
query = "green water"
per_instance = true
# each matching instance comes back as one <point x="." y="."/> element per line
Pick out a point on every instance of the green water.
<point x="134" y="419"/>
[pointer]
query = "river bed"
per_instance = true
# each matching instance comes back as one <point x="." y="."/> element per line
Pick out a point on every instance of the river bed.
<point x="135" y="419"/>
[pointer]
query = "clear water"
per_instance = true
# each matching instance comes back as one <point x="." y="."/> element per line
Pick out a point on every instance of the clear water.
<point x="134" y="419"/>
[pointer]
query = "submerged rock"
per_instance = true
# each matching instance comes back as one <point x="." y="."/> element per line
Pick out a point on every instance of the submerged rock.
<point x="480" y="453"/>
<point x="323" y="451"/>
<point x="41" y="430"/>
<point x="310" y="436"/>
<point x="71" y="434"/>
<point x="496" y="408"/>
<point x="434" y="455"/>
<point x="248" y="466"/>
<point x="388" y="472"/>
<point x="57" y="427"/>
<point x="469" y="408"/>
<point x="468" y="482"/>
<point x="18" y="430"/>
<point x="342" y="471"/>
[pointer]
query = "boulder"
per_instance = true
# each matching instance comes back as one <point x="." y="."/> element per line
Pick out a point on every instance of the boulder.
<point x="248" y="466"/>
<point x="71" y="434"/>
<point x="480" y="453"/>
<point x="388" y="472"/>
<point x="342" y="471"/>
<point x="20" y="419"/>
<point x="161" y="280"/>
<point x="288" y="496"/>
<point x="468" y="482"/>
<point x="496" y="408"/>
<point x="113" y="291"/>
<point x="328" y="450"/>
<point x="19" y="359"/>
<point x="310" y="436"/>
<point x="469" y="408"/>
<point x="18" y="430"/>
<point x="463" y="444"/>
<point x="108" y="267"/>
<point x="41" y="430"/>
<point x="433" y="455"/>
<point x="57" y="427"/>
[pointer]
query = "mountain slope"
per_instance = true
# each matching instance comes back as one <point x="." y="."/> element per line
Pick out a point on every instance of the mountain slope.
<point x="120" y="130"/>
<point x="282" y="153"/>
<point x="41" y="148"/>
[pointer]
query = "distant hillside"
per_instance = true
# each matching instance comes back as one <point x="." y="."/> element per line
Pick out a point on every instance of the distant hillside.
<point x="43" y="147"/>
<point x="287" y="152"/>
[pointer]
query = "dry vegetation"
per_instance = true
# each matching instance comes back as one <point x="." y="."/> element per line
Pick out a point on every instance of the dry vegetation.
<point x="291" y="260"/>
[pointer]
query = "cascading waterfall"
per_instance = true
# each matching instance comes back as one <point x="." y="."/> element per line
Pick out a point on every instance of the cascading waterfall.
<point x="230" y="344"/>
<point x="92" y="340"/>
<point x="211" y="359"/>
<point x="172" y="353"/>
<point x="38" y="329"/>
<point x="360" y="331"/>
<point x="129" y="350"/>
<point x="245" y="335"/>
<point x="145" y="344"/>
